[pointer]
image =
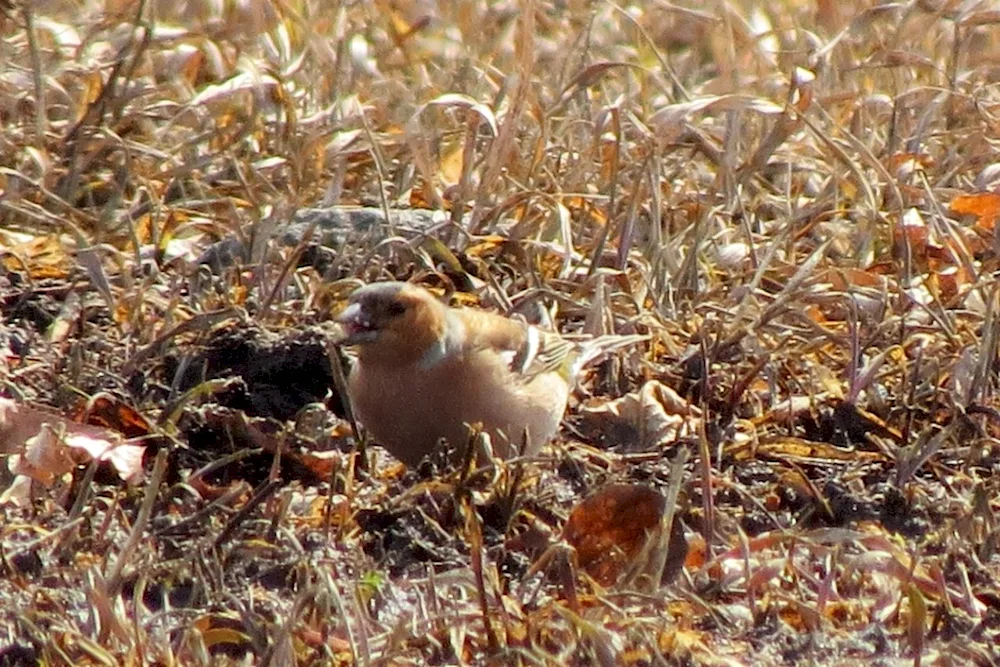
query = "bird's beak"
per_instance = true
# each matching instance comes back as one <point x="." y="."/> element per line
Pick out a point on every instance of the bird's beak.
<point x="355" y="325"/>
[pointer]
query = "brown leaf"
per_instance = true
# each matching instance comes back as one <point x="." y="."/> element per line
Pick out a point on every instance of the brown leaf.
<point x="654" y="415"/>
<point x="609" y="529"/>
<point x="110" y="412"/>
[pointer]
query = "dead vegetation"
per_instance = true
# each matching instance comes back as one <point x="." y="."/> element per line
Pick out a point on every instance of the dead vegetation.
<point x="796" y="201"/>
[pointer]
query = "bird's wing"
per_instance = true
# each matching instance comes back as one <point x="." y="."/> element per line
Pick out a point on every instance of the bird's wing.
<point x="525" y="349"/>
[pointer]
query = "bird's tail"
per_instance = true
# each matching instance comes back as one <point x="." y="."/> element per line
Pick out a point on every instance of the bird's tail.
<point x="595" y="349"/>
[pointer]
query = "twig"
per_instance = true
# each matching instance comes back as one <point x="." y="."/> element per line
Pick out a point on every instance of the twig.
<point x="152" y="489"/>
<point x="263" y="492"/>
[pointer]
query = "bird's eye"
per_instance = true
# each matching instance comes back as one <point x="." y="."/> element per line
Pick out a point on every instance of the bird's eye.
<point x="395" y="309"/>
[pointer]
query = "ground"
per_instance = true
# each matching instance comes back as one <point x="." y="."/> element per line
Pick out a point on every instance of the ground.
<point x="794" y="202"/>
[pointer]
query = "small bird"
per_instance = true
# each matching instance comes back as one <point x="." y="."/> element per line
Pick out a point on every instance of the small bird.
<point x="426" y="372"/>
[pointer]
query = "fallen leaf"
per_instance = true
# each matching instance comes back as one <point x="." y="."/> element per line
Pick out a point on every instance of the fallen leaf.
<point x="984" y="205"/>
<point x="44" y="446"/>
<point x="653" y="416"/>
<point x="609" y="528"/>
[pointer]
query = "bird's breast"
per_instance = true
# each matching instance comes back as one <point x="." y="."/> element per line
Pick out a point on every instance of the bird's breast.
<point x="409" y="410"/>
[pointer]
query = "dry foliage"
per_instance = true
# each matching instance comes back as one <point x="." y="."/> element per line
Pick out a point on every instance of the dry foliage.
<point x="796" y="201"/>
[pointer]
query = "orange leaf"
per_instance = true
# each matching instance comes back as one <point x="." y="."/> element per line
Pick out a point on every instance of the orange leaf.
<point x="984" y="205"/>
<point x="609" y="528"/>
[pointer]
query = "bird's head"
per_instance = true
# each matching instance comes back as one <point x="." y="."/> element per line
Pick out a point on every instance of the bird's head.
<point x="394" y="320"/>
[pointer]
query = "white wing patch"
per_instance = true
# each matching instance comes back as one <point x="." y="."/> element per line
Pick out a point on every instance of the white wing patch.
<point x="529" y="351"/>
<point x="542" y="353"/>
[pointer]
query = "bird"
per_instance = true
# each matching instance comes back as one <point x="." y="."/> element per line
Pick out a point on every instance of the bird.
<point x="426" y="372"/>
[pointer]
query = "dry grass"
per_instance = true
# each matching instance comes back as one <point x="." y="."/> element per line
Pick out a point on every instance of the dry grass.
<point x="795" y="200"/>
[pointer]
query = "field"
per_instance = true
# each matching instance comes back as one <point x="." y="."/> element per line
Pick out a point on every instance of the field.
<point x="794" y="202"/>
